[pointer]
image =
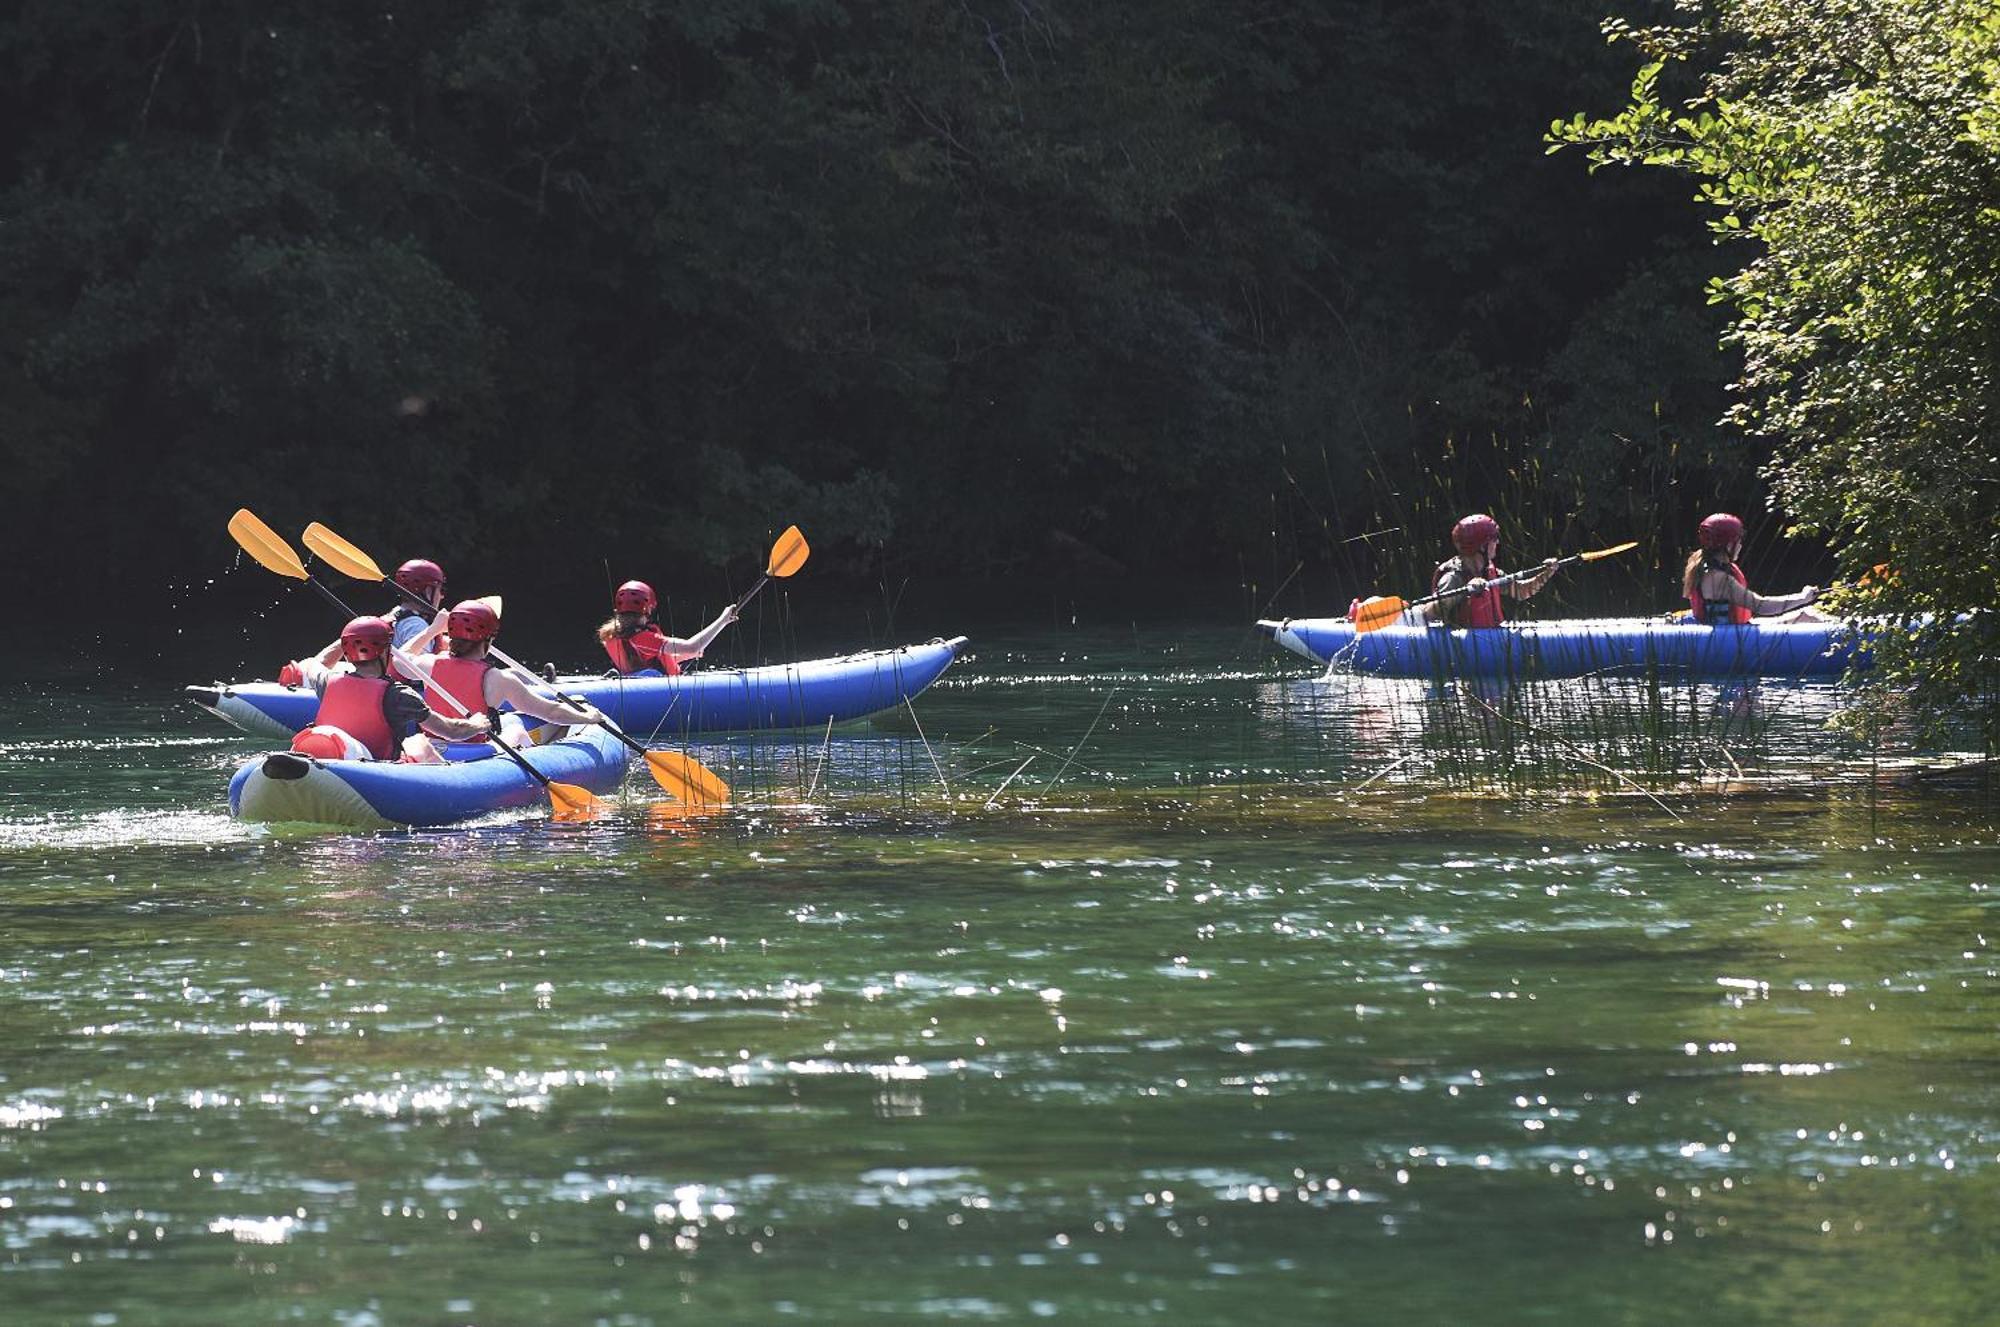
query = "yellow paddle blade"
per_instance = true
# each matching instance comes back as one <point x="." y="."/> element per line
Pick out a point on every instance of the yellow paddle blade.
<point x="1626" y="547"/>
<point x="570" y="802"/>
<point x="342" y="556"/>
<point x="788" y="554"/>
<point x="492" y="601"/>
<point x="1377" y="613"/>
<point x="263" y="543"/>
<point x="686" y="779"/>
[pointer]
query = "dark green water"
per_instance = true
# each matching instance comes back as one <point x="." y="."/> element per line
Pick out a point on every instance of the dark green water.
<point x="1187" y="1025"/>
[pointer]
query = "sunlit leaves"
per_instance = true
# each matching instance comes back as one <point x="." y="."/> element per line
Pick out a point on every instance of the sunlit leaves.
<point x="1857" y="143"/>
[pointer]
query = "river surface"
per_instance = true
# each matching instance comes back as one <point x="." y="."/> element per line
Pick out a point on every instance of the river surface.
<point x="1118" y="979"/>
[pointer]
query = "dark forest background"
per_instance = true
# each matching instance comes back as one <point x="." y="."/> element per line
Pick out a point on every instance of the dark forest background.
<point x="1021" y="290"/>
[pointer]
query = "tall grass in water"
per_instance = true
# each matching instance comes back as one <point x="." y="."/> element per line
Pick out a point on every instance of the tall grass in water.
<point x="1651" y="732"/>
<point x="1606" y="734"/>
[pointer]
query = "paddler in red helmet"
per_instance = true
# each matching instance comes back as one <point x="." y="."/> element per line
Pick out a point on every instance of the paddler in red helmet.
<point x="1477" y="539"/>
<point x="363" y="713"/>
<point x="637" y="645"/>
<point x="1717" y="593"/>
<point x="467" y="676"/>
<point x="424" y="579"/>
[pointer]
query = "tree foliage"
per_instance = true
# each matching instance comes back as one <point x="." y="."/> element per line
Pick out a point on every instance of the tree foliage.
<point x="1850" y="151"/>
<point x="952" y="285"/>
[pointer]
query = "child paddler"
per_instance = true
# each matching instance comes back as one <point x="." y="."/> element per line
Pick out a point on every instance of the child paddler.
<point x="638" y="647"/>
<point x="424" y="579"/>
<point x="363" y="713"/>
<point x="1717" y="593"/>
<point x="1477" y="539"/>
<point x="467" y="676"/>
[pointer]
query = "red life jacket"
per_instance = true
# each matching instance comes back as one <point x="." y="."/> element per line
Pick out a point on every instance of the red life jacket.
<point x="1476" y="610"/>
<point x="1716" y="612"/>
<point x="462" y="679"/>
<point x="644" y="648"/>
<point x="354" y="705"/>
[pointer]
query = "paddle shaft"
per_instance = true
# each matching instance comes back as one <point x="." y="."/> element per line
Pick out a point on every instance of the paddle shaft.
<point x="1379" y="613"/>
<point x="330" y="596"/>
<point x="1494" y="583"/>
<point x="751" y="593"/>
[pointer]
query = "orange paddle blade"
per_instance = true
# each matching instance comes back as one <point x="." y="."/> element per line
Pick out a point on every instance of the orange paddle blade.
<point x="570" y="802"/>
<point x="342" y="556"/>
<point x="264" y="544"/>
<point x="1626" y="547"/>
<point x="1377" y="613"/>
<point x="686" y="779"/>
<point x="788" y="554"/>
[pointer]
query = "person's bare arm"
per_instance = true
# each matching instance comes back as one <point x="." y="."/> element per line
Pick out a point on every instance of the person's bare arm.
<point x="504" y="687"/>
<point x="1526" y="587"/>
<point x="693" y="647"/>
<point x="1760" y="605"/>
<point x="469" y="729"/>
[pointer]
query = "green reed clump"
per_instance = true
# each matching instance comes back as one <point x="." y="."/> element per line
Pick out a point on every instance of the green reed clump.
<point x="1601" y="733"/>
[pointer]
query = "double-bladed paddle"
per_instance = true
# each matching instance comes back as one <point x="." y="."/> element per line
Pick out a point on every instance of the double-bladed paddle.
<point x="679" y="776"/>
<point x="271" y="552"/>
<point x="1376" y="614"/>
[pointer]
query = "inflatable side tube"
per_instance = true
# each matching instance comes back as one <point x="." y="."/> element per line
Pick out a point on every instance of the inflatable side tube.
<point x="720" y="700"/>
<point x="285" y="787"/>
<point x="1578" y="648"/>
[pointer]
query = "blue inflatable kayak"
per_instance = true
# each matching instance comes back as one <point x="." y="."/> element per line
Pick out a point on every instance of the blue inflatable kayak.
<point x="285" y="787"/>
<point x="713" y="700"/>
<point x="1575" y="648"/>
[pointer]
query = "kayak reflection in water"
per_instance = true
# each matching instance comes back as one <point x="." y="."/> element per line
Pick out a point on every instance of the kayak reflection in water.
<point x="1717" y="593"/>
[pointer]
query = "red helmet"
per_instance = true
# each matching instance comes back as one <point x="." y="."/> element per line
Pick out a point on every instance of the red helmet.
<point x="1720" y="532"/>
<point x="1473" y="533"/>
<point x="365" y="638"/>
<point x="473" y="620"/>
<point x="420" y="576"/>
<point x="634" y="597"/>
